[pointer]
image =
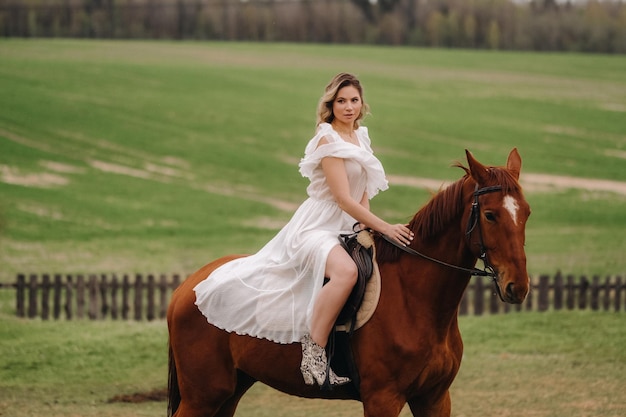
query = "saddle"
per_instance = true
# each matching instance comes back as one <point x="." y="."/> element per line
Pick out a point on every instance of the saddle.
<point x="360" y="247"/>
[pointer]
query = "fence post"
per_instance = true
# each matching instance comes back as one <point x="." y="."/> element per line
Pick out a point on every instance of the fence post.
<point x="163" y="296"/>
<point x="68" y="298"/>
<point x="584" y="286"/>
<point x="56" y="308"/>
<point x="544" y="293"/>
<point x="125" y="297"/>
<point x="114" y="301"/>
<point x="93" y="297"/>
<point x="19" y="295"/>
<point x="32" y="297"/>
<point x="606" y="299"/>
<point x="558" y="291"/>
<point x="569" y="291"/>
<point x="138" y="296"/>
<point x="45" y="297"/>
<point x="150" y="314"/>
<point x="104" y="305"/>
<point x="595" y="293"/>
<point x="618" y="294"/>
<point x="80" y="296"/>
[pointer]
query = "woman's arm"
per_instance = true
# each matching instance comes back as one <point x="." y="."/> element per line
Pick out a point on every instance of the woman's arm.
<point x="337" y="179"/>
<point x="365" y="201"/>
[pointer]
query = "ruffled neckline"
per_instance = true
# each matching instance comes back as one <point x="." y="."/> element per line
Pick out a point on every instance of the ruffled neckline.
<point x="339" y="148"/>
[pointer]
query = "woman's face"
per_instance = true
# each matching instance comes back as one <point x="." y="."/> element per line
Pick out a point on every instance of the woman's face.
<point x="347" y="105"/>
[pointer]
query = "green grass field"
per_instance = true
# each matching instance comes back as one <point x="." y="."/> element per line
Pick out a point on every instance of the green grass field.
<point x="160" y="156"/>
<point x="529" y="364"/>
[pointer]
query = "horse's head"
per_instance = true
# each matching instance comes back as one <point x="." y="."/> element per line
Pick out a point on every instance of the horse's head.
<point x="496" y="223"/>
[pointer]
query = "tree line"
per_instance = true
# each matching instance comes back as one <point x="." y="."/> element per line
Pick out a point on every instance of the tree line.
<point x="540" y="25"/>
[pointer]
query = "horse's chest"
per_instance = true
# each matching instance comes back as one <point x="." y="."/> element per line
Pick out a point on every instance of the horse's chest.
<point x="438" y="367"/>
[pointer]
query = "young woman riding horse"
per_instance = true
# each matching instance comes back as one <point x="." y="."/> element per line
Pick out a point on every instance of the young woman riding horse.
<point x="278" y="293"/>
<point x="223" y="340"/>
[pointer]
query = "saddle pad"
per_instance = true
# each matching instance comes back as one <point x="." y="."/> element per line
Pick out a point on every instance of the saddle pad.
<point x="370" y="299"/>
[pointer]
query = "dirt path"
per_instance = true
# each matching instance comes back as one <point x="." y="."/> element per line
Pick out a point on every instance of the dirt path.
<point x="530" y="182"/>
<point x="534" y="182"/>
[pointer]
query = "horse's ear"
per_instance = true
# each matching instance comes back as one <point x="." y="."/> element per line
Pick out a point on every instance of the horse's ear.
<point x="477" y="170"/>
<point x="514" y="163"/>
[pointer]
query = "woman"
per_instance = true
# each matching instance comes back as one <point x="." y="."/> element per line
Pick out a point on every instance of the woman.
<point x="278" y="293"/>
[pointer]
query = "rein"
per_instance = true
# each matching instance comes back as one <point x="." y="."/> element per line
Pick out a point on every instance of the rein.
<point x="474" y="220"/>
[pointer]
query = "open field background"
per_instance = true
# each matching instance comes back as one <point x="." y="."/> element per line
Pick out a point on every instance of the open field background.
<point x="160" y="156"/>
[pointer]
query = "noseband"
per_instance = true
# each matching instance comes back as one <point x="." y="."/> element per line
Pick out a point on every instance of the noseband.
<point x="472" y="223"/>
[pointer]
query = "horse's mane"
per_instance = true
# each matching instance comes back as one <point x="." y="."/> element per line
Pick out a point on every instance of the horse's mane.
<point x="444" y="206"/>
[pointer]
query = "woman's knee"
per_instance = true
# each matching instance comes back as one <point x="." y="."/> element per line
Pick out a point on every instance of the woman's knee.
<point x="349" y="274"/>
<point x="344" y="271"/>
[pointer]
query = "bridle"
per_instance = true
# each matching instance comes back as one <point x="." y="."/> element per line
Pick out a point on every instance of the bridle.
<point x="472" y="223"/>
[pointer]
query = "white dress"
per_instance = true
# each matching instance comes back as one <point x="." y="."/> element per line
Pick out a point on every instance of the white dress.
<point x="271" y="294"/>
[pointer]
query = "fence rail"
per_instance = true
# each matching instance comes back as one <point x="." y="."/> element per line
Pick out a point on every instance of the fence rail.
<point x="146" y="297"/>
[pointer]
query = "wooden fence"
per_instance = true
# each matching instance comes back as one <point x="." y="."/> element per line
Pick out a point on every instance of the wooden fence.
<point x="550" y="293"/>
<point x="94" y="296"/>
<point x="146" y="297"/>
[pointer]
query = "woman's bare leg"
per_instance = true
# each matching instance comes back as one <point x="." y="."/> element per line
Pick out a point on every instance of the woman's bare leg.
<point x="342" y="272"/>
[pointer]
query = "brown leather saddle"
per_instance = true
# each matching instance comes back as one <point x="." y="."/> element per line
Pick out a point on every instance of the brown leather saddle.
<point x="359" y="246"/>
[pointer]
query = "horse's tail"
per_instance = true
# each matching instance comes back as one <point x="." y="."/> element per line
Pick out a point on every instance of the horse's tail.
<point x="173" y="391"/>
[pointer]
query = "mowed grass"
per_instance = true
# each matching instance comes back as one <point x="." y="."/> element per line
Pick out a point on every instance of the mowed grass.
<point x="523" y="364"/>
<point x="161" y="156"/>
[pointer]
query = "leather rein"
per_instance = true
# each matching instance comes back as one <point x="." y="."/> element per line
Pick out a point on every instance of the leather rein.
<point x="474" y="220"/>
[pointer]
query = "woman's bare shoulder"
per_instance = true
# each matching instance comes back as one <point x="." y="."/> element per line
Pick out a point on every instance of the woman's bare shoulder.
<point x="324" y="140"/>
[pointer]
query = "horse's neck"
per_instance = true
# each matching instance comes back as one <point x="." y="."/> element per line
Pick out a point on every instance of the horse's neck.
<point x="436" y="287"/>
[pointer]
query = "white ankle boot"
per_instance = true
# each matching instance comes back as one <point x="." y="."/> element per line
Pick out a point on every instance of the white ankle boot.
<point x="314" y="364"/>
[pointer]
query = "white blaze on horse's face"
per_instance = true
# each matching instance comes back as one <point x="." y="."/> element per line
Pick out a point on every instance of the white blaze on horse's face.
<point x="510" y="204"/>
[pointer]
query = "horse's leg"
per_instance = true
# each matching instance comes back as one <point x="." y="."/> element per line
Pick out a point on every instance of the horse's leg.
<point x="205" y="372"/>
<point x="206" y="377"/>
<point x="441" y="408"/>
<point x="244" y="382"/>
<point x="382" y="404"/>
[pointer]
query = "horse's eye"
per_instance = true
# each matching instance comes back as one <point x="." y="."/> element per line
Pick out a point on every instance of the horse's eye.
<point x="490" y="216"/>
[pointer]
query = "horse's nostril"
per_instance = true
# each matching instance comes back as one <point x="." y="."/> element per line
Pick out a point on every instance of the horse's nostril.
<point x="509" y="291"/>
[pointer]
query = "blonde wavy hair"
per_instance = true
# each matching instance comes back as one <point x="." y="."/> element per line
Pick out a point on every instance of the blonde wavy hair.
<point x="325" y="105"/>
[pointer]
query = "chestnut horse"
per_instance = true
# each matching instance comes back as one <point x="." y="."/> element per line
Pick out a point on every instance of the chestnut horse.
<point x="411" y="348"/>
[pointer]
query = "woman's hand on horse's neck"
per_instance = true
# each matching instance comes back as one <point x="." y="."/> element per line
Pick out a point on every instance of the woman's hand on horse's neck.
<point x="337" y="180"/>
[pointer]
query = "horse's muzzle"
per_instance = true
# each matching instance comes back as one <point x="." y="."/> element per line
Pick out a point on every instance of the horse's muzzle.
<point x="514" y="294"/>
